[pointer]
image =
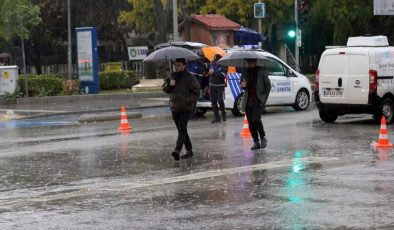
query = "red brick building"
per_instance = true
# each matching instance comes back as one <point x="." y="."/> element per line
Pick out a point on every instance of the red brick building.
<point x="211" y="29"/>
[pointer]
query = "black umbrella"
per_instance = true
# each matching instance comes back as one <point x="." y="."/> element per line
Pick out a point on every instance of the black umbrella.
<point x="183" y="44"/>
<point x="170" y="54"/>
<point x="238" y="58"/>
<point x="5" y="55"/>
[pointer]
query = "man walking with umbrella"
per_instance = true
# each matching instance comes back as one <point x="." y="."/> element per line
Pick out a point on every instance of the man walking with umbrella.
<point x="257" y="86"/>
<point x="184" y="90"/>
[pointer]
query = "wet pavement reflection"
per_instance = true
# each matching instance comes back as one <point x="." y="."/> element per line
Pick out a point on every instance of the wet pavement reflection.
<point x="312" y="175"/>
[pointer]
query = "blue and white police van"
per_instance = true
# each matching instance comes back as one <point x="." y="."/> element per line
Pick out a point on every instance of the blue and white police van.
<point x="289" y="88"/>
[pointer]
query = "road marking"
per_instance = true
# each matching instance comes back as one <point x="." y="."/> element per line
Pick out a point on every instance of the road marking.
<point x="224" y="172"/>
<point x="161" y="181"/>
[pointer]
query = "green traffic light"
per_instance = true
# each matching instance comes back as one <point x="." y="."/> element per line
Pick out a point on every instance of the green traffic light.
<point x="291" y="33"/>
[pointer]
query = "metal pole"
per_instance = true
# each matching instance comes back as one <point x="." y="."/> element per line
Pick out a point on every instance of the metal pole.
<point x="175" y="19"/>
<point x="23" y="57"/>
<point x="24" y="66"/>
<point x="259" y="23"/>
<point x="69" y="52"/>
<point x="297" y="52"/>
<point x="260" y="29"/>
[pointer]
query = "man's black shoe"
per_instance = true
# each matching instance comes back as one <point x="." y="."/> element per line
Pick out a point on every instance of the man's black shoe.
<point x="224" y="116"/>
<point x="263" y="143"/>
<point x="175" y="155"/>
<point x="188" y="154"/>
<point x="216" y="121"/>
<point x="255" y="146"/>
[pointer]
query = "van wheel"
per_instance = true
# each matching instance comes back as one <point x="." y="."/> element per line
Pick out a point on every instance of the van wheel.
<point x="302" y="100"/>
<point x="199" y="112"/>
<point x="328" y="117"/>
<point x="238" y="106"/>
<point x="386" y="109"/>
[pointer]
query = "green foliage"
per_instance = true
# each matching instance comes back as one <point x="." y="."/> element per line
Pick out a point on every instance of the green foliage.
<point x="242" y="11"/>
<point x="140" y="17"/>
<point x="117" y="80"/>
<point x="53" y="85"/>
<point x="143" y="17"/>
<point x="345" y="17"/>
<point x="41" y="85"/>
<point x="17" y="17"/>
<point x="12" y="96"/>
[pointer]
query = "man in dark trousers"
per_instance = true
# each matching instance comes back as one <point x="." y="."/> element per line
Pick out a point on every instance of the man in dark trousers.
<point x="257" y="86"/>
<point x="184" y="90"/>
<point x="217" y="75"/>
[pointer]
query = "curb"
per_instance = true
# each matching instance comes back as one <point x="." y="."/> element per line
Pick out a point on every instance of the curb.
<point x="106" y="117"/>
<point x="88" y="97"/>
<point x="89" y="111"/>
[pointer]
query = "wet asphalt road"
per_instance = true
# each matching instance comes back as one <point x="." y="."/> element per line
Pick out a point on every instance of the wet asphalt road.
<point x="312" y="175"/>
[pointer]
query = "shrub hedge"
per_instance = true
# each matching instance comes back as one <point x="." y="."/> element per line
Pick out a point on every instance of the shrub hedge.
<point x="117" y="80"/>
<point x="51" y="85"/>
<point x="41" y="85"/>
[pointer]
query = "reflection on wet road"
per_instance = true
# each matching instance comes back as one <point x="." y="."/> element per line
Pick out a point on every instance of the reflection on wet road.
<point x="312" y="175"/>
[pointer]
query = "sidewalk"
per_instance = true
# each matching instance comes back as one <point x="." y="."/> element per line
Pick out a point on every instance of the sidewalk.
<point x="82" y="104"/>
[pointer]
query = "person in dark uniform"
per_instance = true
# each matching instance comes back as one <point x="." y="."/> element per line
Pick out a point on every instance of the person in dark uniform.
<point x="257" y="86"/>
<point x="217" y="75"/>
<point x="199" y="68"/>
<point x="184" y="90"/>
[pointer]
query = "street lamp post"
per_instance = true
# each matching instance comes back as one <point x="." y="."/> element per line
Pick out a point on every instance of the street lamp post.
<point x="297" y="52"/>
<point x="23" y="54"/>
<point x="175" y="18"/>
<point x="259" y="24"/>
<point x="69" y="52"/>
<point x="24" y="65"/>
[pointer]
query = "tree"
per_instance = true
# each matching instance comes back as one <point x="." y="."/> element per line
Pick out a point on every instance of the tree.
<point x="17" y="17"/>
<point x="47" y="44"/>
<point x="147" y="16"/>
<point x="332" y="22"/>
<point x="242" y="11"/>
<point x="145" y="12"/>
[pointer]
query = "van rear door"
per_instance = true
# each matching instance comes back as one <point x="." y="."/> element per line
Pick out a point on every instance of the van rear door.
<point x="358" y="77"/>
<point x="332" y="79"/>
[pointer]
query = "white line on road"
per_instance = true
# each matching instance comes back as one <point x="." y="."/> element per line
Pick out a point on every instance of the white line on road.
<point x="161" y="181"/>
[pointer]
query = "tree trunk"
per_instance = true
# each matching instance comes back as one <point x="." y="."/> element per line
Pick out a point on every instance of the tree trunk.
<point x="186" y="20"/>
<point x="161" y="18"/>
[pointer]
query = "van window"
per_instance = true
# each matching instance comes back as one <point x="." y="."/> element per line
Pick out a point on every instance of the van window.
<point x="275" y="68"/>
<point x="334" y="65"/>
<point x="358" y="65"/>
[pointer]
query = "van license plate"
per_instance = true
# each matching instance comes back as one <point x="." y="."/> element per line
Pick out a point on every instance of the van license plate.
<point x="333" y="93"/>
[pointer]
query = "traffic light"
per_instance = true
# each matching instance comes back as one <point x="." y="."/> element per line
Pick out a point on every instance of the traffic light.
<point x="291" y="33"/>
<point x="303" y="10"/>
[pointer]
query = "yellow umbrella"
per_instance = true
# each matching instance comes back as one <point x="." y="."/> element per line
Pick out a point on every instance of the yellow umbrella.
<point x="210" y="52"/>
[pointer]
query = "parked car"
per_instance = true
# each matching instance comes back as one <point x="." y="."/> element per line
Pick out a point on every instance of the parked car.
<point x="288" y="88"/>
<point x="357" y="78"/>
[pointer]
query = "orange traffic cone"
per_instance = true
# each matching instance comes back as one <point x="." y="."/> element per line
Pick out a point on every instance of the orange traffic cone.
<point x="124" y="124"/>
<point x="383" y="135"/>
<point x="245" y="131"/>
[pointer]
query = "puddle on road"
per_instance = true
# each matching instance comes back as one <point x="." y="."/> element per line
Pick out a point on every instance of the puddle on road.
<point x="15" y="124"/>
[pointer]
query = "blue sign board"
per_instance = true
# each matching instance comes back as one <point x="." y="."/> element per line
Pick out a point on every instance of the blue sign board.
<point x="259" y="10"/>
<point x="87" y="59"/>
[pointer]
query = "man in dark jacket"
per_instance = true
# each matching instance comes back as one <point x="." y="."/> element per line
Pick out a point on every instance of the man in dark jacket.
<point x="184" y="90"/>
<point x="257" y="86"/>
<point x="216" y="84"/>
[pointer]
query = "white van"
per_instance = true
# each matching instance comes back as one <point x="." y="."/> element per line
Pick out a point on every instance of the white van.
<point x="357" y="78"/>
<point x="288" y="87"/>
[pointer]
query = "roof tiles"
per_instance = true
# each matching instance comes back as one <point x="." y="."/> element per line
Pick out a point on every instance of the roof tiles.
<point x="215" y="21"/>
